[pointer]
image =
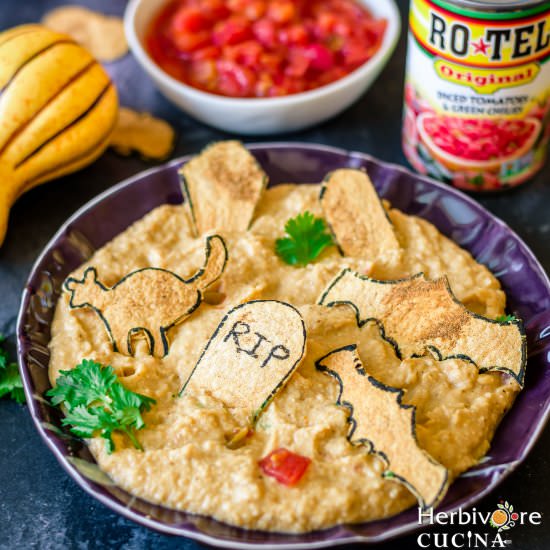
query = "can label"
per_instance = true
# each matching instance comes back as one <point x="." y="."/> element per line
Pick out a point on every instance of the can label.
<point x="477" y="95"/>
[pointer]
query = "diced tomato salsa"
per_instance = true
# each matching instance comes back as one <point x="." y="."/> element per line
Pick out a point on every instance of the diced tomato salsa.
<point x="262" y="48"/>
<point x="285" y="466"/>
<point x="478" y="139"/>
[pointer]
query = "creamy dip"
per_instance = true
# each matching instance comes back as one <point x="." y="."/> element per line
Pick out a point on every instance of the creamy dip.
<point x="186" y="463"/>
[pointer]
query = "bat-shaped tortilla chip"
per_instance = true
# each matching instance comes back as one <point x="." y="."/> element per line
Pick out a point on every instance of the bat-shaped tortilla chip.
<point x="222" y="186"/>
<point x="251" y="355"/>
<point x="147" y="302"/>
<point x="379" y="419"/>
<point x="418" y="315"/>
<point x="356" y="216"/>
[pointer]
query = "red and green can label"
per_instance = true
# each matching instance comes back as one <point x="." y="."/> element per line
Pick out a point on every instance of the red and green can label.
<point x="477" y="95"/>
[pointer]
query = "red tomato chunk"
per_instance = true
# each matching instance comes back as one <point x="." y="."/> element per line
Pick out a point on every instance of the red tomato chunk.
<point x="478" y="140"/>
<point x="285" y="466"/>
<point x="262" y="48"/>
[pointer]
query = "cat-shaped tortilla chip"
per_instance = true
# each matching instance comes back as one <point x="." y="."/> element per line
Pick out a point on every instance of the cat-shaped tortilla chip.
<point x="147" y="302"/>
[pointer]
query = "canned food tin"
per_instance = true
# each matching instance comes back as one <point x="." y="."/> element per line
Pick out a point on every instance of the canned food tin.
<point x="477" y="93"/>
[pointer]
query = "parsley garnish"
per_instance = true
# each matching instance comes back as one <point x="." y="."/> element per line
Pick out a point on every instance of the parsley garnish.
<point x="10" y="380"/>
<point x="307" y="238"/>
<point x="506" y="318"/>
<point x="98" y="404"/>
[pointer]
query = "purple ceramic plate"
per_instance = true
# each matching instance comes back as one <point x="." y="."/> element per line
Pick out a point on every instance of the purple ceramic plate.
<point x="490" y="241"/>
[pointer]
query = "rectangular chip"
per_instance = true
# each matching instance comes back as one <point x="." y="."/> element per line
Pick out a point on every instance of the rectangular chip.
<point x="222" y="186"/>
<point x="356" y="215"/>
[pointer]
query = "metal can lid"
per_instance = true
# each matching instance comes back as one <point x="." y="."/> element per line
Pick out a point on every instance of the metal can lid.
<point x="499" y="5"/>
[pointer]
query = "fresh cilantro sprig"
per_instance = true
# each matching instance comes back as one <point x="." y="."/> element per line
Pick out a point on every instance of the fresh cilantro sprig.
<point x="97" y="403"/>
<point x="307" y="237"/>
<point x="506" y="319"/>
<point x="10" y="380"/>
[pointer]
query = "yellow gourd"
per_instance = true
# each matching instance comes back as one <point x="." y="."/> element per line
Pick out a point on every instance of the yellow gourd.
<point x="58" y="108"/>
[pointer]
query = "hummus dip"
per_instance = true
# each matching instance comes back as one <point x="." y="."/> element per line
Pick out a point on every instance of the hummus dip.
<point x="186" y="463"/>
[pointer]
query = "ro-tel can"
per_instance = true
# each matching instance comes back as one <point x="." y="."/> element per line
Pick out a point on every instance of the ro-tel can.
<point x="477" y="95"/>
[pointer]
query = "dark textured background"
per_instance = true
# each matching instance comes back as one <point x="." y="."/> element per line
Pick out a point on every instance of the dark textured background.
<point x="40" y="507"/>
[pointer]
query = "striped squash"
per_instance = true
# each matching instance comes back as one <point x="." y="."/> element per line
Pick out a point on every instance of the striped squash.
<point x="58" y="108"/>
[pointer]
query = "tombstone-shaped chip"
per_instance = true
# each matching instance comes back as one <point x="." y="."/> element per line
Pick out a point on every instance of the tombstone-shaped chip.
<point x="356" y="215"/>
<point x="251" y="355"/>
<point x="147" y="302"/>
<point x="222" y="186"/>
<point x="379" y="419"/>
<point x="418" y="315"/>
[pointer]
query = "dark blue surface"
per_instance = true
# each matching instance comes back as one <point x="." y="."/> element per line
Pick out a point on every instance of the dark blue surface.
<point x="40" y="507"/>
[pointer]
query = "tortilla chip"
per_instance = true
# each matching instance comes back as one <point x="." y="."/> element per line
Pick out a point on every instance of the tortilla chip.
<point x="251" y="355"/>
<point x="222" y="186"/>
<point x="102" y="35"/>
<point x="417" y="315"/>
<point x="356" y="215"/>
<point x="147" y="302"/>
<point x="379" y="419"/>
<point x="151" y="137"/>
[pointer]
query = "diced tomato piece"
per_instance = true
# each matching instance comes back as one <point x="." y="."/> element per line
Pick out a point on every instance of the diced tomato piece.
<point x="350" y="9"/>
<point x="208" y="52"/>
<point x="298" y="64"/>
<point x="255" y="9"/>
<point x="189" y="42"/>
<point x="295" y="35"/>
<point x="214" y="9"/>
<point x="376" y="27"/>
<point x="272" y="65"/>
<point x="228" y="85"/>
<point x="330" y="76"/>
<point x="232" y="31"/>
<point x="343" y="28"/>
<point x="265" y="32"/>
<point x="285" y="466"/>
<point x="189" y="20"/>
<point x="204" y="73"/>
<point x="320" y="57"/>
<point x="281" y="11"/>
<point x="237" y="5"/>
<point x="235" y="80"/>
<point x="326" y="22"/>
<point x="263" y="85"/>
<point x="335" y="43"/>
<point x="354" y="53"/>
<point x="248" y="53"/>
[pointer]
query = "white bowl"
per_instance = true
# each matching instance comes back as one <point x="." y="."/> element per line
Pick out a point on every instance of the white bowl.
<point x="255" y="116"/>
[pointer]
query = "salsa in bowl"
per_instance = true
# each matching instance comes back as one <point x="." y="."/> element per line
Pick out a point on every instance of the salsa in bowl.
<point x="232" y="80"/>
<point x="263" y="48"/>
